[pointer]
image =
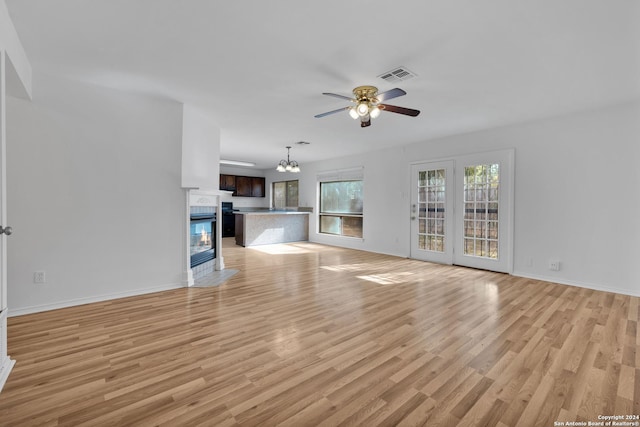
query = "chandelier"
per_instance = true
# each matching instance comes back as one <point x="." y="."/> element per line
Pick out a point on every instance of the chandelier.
<point x="288" y="165"/>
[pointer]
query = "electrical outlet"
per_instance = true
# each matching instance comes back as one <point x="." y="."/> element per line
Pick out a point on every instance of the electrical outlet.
<point x="554" y="265"/>
<point x="39" y="277"/>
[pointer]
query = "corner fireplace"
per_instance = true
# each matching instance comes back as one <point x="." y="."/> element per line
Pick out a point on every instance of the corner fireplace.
<point x="202" y="237"/>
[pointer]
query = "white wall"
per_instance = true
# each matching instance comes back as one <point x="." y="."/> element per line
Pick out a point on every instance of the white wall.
<point x="576" y="195"/>
<point x="18" y="68"/>
<point x="245" y="202"/>
<point x="94" y="195"/>
<point x="200" y="150"/>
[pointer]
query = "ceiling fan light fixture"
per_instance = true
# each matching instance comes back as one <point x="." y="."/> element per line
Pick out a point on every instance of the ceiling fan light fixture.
<point x="362" y="109"/>
<point x="368" y="103"/>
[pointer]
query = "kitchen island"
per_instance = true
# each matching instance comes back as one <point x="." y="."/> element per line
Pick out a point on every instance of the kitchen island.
<point x="266" y="227"/>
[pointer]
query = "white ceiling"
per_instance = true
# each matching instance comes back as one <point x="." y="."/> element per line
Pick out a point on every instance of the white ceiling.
<point x="260" y="67"/>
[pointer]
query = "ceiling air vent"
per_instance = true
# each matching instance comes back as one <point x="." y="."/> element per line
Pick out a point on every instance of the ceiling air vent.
<point x="397" y="75"/>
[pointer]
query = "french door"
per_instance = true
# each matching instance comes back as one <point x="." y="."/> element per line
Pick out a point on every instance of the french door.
<point x="462" y="211"/>
<point x="431" y="208"/>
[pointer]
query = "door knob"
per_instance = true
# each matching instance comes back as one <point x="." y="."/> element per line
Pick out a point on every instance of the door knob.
<point x="6" y="230"/>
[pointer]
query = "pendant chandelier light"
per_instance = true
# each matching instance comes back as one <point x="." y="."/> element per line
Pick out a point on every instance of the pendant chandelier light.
<point x="288" y="165"/>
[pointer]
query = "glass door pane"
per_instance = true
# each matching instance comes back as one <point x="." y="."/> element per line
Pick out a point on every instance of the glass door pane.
<point x="431" y="193"/>
<point x="481" y="189"/>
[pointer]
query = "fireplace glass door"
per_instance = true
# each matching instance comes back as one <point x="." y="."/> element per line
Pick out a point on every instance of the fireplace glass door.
<point x="202" y="240"/>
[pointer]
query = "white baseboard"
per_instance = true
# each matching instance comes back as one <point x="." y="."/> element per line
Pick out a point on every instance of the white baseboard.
<point x="594" y="286"/>
<point x="99" y="298"/>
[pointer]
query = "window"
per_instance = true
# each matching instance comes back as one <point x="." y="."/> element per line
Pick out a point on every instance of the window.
<point x="341" y="208"/>
<point x="285" y="194"/>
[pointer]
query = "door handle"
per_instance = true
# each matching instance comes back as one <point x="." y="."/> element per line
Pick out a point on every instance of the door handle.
<point x="6" y="230"/>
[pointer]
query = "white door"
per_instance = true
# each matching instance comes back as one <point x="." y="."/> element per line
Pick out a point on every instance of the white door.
<point x="462" y="211"/>
<point x="5" y="363"/>
<point x="3" y="197"/>
<point x="431" y="212"/>
<point x="484" y="203"/>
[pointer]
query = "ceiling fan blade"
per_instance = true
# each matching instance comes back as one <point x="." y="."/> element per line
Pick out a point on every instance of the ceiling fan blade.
<point x="317" y="116"/>
<point x="400" y="110"/>
<point x="390" y="94"/>
<point x="335" y="95"/>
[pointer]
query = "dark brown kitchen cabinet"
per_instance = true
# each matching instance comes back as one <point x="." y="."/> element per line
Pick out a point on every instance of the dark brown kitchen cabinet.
<point x="227" y="182"/>
<point x="243" y="186"/>
<point x="257" y="186"/>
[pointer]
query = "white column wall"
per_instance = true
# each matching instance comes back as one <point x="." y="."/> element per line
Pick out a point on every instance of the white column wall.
<point x="200" y="150"/>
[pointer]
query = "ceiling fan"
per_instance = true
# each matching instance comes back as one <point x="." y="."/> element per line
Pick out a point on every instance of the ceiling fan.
<point x="369" y="103"/>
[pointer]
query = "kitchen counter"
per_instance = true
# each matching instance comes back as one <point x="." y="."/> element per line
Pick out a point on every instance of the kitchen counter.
<point x="266" y="227"/>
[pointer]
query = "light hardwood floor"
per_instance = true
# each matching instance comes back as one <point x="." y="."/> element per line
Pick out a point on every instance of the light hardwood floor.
<point x="308" y="335"/>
